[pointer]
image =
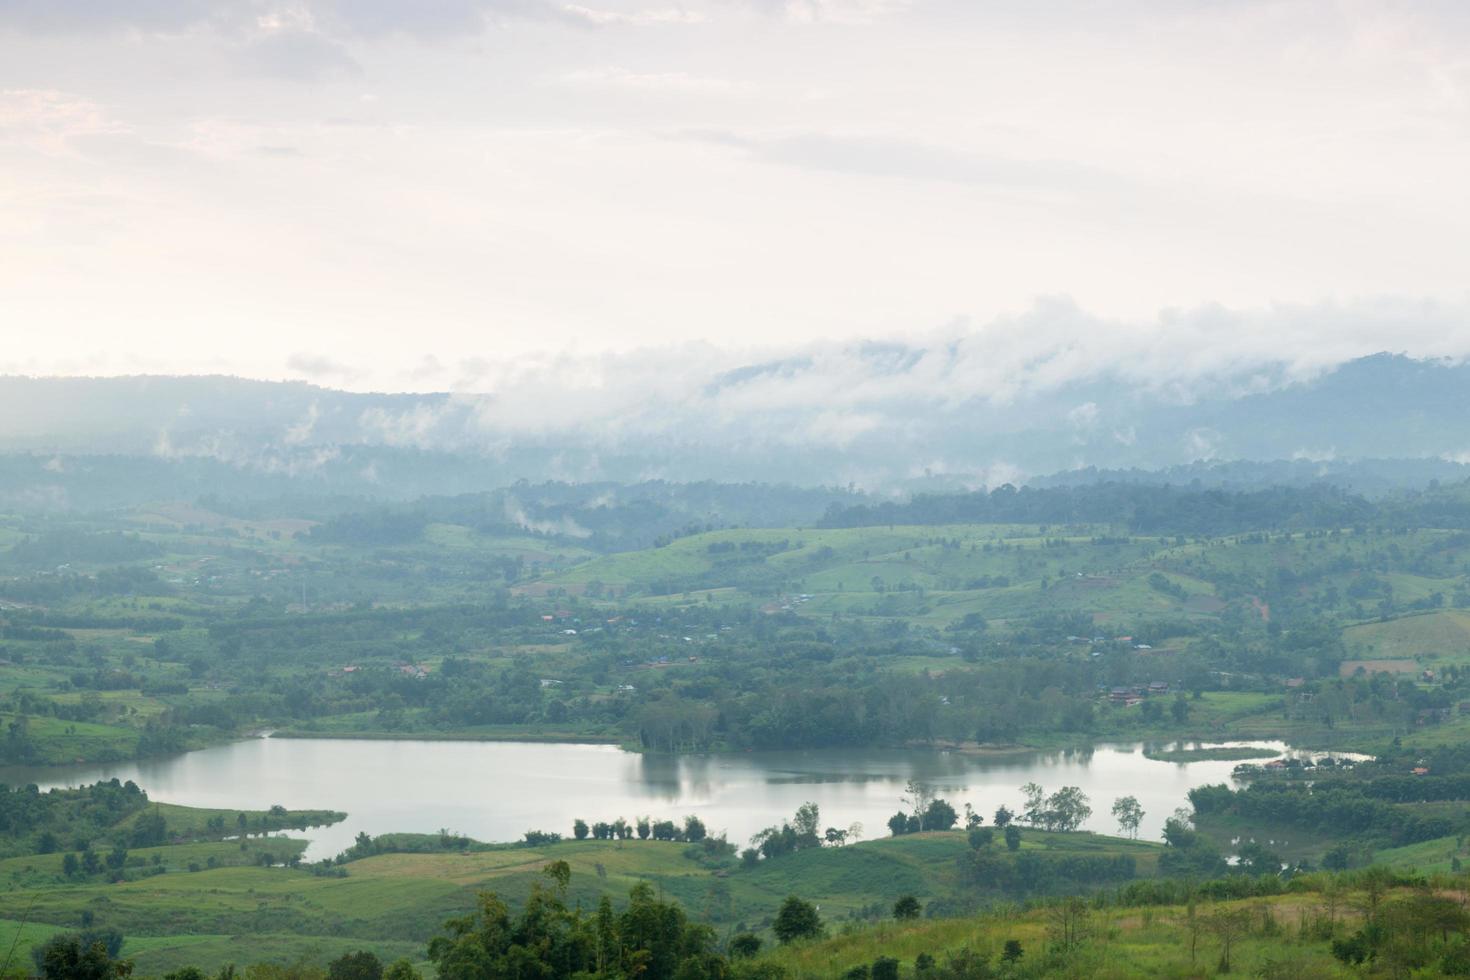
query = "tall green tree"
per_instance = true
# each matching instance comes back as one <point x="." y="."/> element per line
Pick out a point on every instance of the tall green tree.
<point x="797" y="919"/>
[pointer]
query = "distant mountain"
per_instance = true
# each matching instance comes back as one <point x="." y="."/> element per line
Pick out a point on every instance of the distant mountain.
<point x="882" y="417"/>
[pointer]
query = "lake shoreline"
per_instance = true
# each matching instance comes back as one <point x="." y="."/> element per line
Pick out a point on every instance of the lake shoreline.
<point x="529" y="738"/>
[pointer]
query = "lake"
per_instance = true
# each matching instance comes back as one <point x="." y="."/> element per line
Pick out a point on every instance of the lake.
<point x="495" y="791"/>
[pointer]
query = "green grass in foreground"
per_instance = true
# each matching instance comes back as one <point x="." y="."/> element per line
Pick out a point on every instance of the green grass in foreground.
<point x="1118" y="942"/>
<point x="393" y="903"/>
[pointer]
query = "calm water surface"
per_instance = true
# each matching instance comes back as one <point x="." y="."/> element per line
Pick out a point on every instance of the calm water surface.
<point x="495" y="791"/>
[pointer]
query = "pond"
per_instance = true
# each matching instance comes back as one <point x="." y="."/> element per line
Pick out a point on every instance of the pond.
<point x="496" y="791"/>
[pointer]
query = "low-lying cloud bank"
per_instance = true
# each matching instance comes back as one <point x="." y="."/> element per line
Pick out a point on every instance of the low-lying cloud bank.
<point x="1052" y="389"/>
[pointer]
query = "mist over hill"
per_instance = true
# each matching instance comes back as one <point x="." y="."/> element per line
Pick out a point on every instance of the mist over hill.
<point x="868" y="422"/>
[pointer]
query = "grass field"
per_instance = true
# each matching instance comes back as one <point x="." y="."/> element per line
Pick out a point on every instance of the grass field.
<point x="1116" y="942"/>
<point x="393" y="903"/>
<point x="1431" y="638"/>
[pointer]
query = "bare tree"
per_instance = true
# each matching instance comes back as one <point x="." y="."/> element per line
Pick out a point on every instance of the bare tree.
<point x="1229" y="926"/>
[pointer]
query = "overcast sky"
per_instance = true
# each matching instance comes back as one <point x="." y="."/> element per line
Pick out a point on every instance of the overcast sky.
<point x="379" y="194"/>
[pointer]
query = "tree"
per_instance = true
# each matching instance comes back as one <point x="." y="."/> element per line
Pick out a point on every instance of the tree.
<point x="149" y="830"/>
<point x="1180" y="708"/>
<point x="694" y="829"/>
<point x="939" y="815"/>
<point x="548" y="939"/>
<point x="1003" y="816"/>
<point x="1257" y="859"/>
<point x="1013" y="951"/>
<point x="1339" y="857"/>
<point x="1129" y="814"/>
<point x="70" y="865"/>
<point x="1066" y="809"/>
<point x="579" y="829"/>
<point x="981" y="837"/>
<point x="918" y="795"/>
<point x="1229" y="926"/>
<point x="1067" y="921"/>
<point x="807" y="823"/>
<point x="401" y="970"/>
<point x="745" y="945"/>
<point x="898" y="824"/>
<point x="795" y="920"/>
<point x="884" y="968"/>
<point x="972" y="819"/>
<point x="907" y="907"/>
<point x="1193" y="924"/>
<point x="361" y="965"/>
<point x="81" y="956"/>
<point x="1013" y="837"/>
<point x="1034" y="809"/>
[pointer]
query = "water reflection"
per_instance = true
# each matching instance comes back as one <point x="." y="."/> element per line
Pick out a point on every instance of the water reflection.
<point x="497" y="791"/>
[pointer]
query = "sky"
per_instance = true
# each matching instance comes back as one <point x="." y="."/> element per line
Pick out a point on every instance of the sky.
<point x="432" y="195"/>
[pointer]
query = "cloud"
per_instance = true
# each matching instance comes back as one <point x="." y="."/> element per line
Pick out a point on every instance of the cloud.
<point x="865" y="156"/>
<point x="52" y="121"/>
<point x="832" y="11"/>
<point x="237" y="451"/>
<point x="675" y="82"/>
<point x="319" y="367"/>
<point x="299" y="432"/>
<point x="658" y="15"/>
<point x="516" y="514"/>
<point x="1013" y="374"/>
<point x="1084" y="416"/>
<point x="296" y="55"/>
<point x="334" y="19"/>
<point x="106" y="16"/>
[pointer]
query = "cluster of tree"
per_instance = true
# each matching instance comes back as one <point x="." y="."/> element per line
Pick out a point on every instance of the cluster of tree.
<point x="1142" y="508"/>
<point x="95" y="954"/>
<point x="1030" y="872"/>
<point x="692" y="830"/>
<point x="801" y="832"/>
<point x="602" y="516"/>
<point x="649" y="938"/>
<point x="1423" y="931"/>
<point x="65" y="545"/>
<point x="52" y="588"/>
<point x="33" y="822"/>
<point x="1066" y="809"/>
<point x="1334" y="808"/>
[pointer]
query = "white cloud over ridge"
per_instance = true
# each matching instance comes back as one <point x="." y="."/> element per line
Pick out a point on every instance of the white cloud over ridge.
<point x="837" y="393"/>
